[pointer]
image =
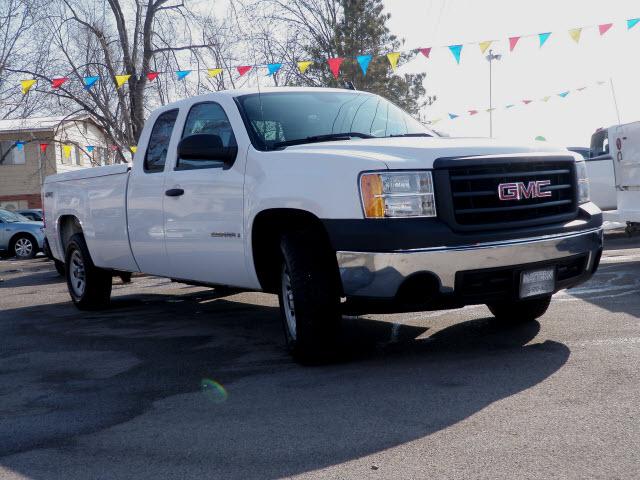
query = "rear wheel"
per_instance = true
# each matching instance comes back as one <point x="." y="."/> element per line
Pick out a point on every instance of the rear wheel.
<point x="89" y="286"/>
<point x="520" y="311"/>
<point x="309" y="297"/>
<point x="59" y="267"/>
<point x="24" y="247"/>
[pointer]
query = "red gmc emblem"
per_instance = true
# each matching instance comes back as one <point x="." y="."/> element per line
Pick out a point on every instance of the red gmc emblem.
<point x="520" y="190"/>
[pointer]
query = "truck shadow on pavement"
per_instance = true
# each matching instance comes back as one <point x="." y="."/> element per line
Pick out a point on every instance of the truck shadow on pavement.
<point x="118" y="394"/>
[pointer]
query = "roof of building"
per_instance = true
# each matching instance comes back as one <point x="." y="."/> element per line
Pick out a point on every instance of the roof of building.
<point x="37" y="123"/>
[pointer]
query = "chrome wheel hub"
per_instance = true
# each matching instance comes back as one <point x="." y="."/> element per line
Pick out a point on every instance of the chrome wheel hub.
<point x="23" y="247"/>
<point x="77" y="276"/>
<point x="289" y="306"/>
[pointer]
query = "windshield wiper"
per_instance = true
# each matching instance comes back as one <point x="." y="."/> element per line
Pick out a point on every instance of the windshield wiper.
<point x="411" y="135"/>
<point x="322" y="138"/>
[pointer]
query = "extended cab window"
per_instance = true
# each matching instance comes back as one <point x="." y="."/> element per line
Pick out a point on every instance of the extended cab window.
<point x="156" y="154"/>
<point x="207" y="118"/>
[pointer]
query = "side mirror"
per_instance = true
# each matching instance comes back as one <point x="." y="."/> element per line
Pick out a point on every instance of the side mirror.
<point x="206" y="147"/>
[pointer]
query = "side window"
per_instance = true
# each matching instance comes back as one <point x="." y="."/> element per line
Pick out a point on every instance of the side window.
<point x="208" y="118"/>
<point x="156" y="153"/>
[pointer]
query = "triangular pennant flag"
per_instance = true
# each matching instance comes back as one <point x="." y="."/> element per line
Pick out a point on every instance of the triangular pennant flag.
<point x="564" y="94"/>
<point x="511" y="105"/>
<point x="66" y="150"/>
<point x="601" y="82"/>
<point x="90" y="148"/>
<point x="426" y="51"/>
<point x="151" y="76"/>
<point x="133" y="148"/>
<point x="632" y="22"/>
<point x="513" y="41"/>
<point x="43" y="147"/>
<point x="90" y="81"/>
<point x="242" y="69"/>
<point x="473" y="112"/>
<point x="273" y="68"/>
<point x="302" y="66"/>
<point x="604" y="28"/>
<point x="19" y="145"/>
<point x="489" y="110"/>
<point x="546" y="99"/>
<point x="121" y="79"/>
<point x="435" y="120"/>
<point x="26" y="85"/>
<point x="580" y="89"/>
<point x="527" y="102"/>
<point x="575" y="34"/>
<point x="543" y="37"/>
<point x="214" y="72"/>
<point x="57" y="82"/>
<point x="113" y="147"/>
<point x="453" y="116"/>
<point x="363" y="61"/>
<point x="393" y="58"/>
<point x="485" y="45"/>
<point x="456" y="50"/>
<point x="334" y="65"/>
<point x="181" y="74"/>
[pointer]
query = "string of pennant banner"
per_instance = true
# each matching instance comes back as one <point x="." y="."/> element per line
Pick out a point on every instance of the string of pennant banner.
<point x="334" y="64"/>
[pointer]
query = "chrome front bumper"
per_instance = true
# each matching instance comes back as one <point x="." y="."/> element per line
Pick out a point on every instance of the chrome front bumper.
<point x="379" y="275"/>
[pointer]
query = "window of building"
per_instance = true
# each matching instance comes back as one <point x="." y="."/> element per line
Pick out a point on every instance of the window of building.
<point x="10" y="154"/>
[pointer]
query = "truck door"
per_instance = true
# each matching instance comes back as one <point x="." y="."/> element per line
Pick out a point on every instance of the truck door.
<point x="204" y="207"/>
<point x="145" y="194"/>
<point x="625" y="147"/>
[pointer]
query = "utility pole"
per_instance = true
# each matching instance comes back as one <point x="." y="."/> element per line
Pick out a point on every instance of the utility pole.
<point x="490" y="58"/>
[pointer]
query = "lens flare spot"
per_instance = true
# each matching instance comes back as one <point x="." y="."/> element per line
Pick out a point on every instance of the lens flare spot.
<point x="213" y="390"/>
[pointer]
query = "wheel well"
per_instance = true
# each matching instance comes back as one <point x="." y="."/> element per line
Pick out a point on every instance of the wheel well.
<point x="22" y="234"/>
<point x="68" y="225"/>
<point x="266" y="234"/>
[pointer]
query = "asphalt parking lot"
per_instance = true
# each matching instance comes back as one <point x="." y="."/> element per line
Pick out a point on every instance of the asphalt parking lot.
<point x="185" y="382"/>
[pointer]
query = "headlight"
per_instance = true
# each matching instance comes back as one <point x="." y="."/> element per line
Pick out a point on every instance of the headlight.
<point x="583" y="183"/>
<point x="397" y="194"/>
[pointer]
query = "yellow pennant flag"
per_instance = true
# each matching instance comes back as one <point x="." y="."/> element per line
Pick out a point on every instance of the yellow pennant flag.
<point x="26" y="85"/>
<point x="66" y="150"/>
<point x="302" y="66"/>
<point x="485" y="45"/>
<point x="133" y="148"/>
<point x="575" y="34"/>
<point x="393" y="59"/>
<point x="435" y="120"/>
<point x="214" y="72"/>
<point x="546" y="99"/>
<point x="121" y="79"/>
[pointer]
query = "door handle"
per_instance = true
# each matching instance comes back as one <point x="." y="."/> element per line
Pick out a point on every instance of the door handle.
<point x="174" y="192"/>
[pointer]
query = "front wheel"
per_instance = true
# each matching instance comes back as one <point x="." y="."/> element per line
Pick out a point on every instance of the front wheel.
<point x="309" y="297"/>
<point x="89" y="286"/>
<point x="520" y="311"/>
<point x="25" y="247"/>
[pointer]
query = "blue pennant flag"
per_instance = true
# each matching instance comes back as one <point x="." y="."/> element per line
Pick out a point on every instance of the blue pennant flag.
<point x="511" y="105"/>
<point x="182" y="73"/>
<point x="273" y="68"/>
<point x="19" y="145"/>
<point x="632" y="22"/>
<point x="90" y="81"/>
<point x="456" y="50"/>
<point x="544" y="37"/>
<point x="564" y="94"/>
<point x="90" y="148"/>
<point x="453" y="116"/>
<point x="363" y="61"/>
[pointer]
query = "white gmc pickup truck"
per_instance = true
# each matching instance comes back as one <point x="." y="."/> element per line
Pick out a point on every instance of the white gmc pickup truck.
<point x="337" y="201"/>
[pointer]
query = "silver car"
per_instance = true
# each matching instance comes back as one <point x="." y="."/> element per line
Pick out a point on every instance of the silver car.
<point x="20" y="236"/>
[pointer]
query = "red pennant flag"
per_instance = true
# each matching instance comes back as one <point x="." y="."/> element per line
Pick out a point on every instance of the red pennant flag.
<point x="334" y="65"/>
<point x="113" y="147"/>
<point x="57" y="82"/>
<point x="243" y="69"/>
<point x="43" y="147"/>
<point x="527" y="102"/>
<point x="426" y="51"/>
<point x="151" y="76"/>
<point x="473" y="112"/>
<point x="604" y="28"/>
<point x="513" y="41"/>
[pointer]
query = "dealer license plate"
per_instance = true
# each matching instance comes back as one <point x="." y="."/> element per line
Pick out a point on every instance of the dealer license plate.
<point x="537" y="282"/>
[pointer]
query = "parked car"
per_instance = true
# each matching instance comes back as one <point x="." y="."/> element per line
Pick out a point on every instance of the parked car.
<point x="34" y="214"/>
<point x="336" y="200"/>
<point x="20" y="236"/>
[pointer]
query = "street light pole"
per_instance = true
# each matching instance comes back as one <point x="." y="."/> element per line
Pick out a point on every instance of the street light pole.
<point x="491" y="57"/>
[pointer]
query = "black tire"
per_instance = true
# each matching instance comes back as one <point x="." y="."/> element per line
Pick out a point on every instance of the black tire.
<point x="96" y="288"/>
<point x="314" y="293"/>
<point x="46" y="249"/>
<point x="125" y="277"/>
<point x="520" y="311"/>
<point x="59" y="267"/>
<point x="24" y="246"/>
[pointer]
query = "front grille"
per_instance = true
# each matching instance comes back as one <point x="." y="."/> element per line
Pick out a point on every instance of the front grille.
<point x="475" y="199"/>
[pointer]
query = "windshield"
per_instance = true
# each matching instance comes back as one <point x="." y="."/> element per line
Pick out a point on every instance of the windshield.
<point x="11" y="217"/>
<point x="285" y="117"/>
